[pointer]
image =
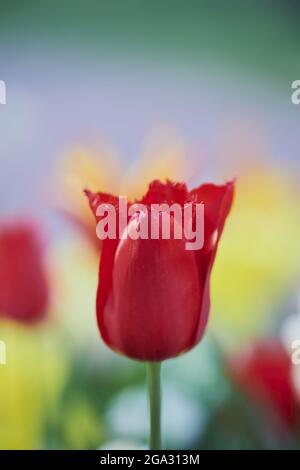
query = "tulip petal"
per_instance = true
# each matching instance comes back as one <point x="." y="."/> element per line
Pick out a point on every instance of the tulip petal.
<point x="100" y="198"/>
<point x="152" y="309"/>
<point x="217" y="204"/>
<point x="109" y="247"/>
<point x="168" y="192"/>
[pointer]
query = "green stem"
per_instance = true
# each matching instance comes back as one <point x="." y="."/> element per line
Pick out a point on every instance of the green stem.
<point x="153" y="373"/>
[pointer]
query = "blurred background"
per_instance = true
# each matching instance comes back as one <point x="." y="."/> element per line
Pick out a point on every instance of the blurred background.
<point x="109" y="95"/>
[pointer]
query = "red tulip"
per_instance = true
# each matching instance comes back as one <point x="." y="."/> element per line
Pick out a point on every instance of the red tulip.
<point x="264" y="372"/>
<point x="153" y="294"/>
<point x="23" y="285"/>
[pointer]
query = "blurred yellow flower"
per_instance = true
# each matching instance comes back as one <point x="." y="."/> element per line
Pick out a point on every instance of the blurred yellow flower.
<point x="259" y="256"/>
<point x="74" y="268"/>
<point x="163" y="158"/>
<point x="30" y="384"/>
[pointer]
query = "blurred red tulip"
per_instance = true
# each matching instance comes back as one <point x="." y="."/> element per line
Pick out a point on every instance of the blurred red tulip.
<point x="264" y="372"/>
<point x="153" y="294"/>
<point x="23" y="284"/>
